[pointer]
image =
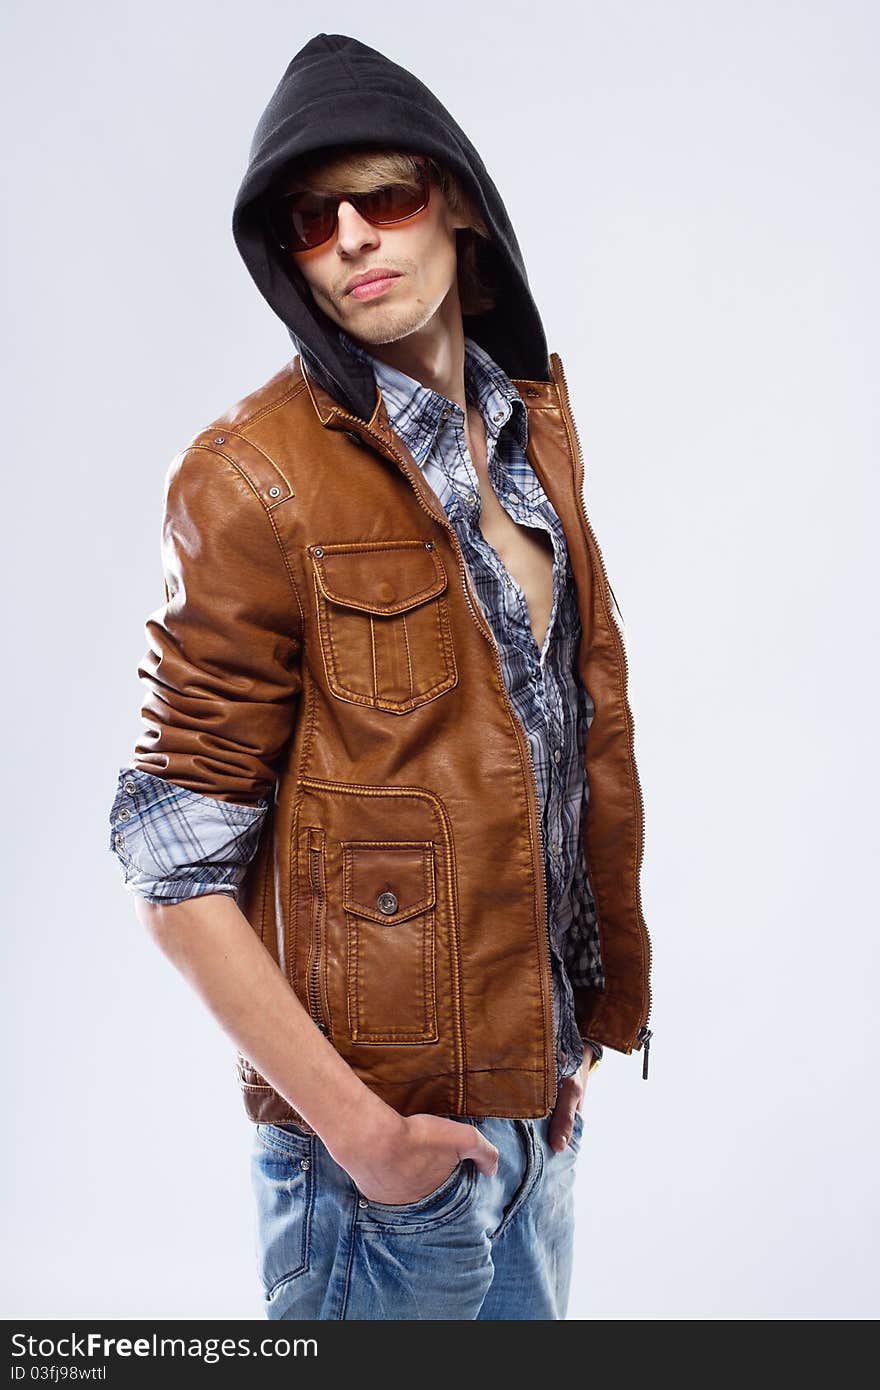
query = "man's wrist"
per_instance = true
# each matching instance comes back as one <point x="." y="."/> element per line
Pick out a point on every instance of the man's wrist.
<point x="369" y="1125"/>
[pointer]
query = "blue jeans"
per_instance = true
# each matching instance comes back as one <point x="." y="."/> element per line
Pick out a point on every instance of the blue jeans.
<point x="495" y="1247"/>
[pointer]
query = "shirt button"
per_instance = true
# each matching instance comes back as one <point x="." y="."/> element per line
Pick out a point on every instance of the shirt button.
<point x="511" y="497"/>
<point x="129" y="786"/>
<point x="498" y="417"/>
<point x="119" y="841"/>
<point x="472" y="500"/>
<point x="124" y="814"/>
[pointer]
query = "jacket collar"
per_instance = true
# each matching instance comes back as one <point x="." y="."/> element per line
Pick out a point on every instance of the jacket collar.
<point x="536" y="395"/>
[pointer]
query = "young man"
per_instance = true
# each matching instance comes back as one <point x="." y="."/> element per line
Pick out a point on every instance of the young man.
<point x="385" y="814"/>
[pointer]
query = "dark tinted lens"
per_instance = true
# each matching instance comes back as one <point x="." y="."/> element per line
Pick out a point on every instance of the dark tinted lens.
<point x="392" y="203"/>
<point x="302" y="220"/>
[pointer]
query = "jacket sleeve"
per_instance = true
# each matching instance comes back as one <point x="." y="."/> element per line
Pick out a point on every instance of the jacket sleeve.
<point x="222" y="680"/>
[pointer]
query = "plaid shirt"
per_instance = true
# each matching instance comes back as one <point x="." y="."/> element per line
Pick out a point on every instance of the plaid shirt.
<point x="175" y="843"/>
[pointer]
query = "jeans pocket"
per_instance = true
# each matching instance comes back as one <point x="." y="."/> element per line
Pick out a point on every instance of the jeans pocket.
<point x="445" y="1202"/>
<point x="283" y="1180"/>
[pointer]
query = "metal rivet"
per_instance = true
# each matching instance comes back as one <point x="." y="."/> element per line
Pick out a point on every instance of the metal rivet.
<point x="305" y="1163"/>
<point x="318" y="550"/>
<point x="429" y="545"/>
<point x="274" y="491"/>
<point x="221" y="439"/>
<point x="124" y="815"/>
<point x="129" y="786"/>
<point x="362" y="1202"/>
<point x="387" y="903"/>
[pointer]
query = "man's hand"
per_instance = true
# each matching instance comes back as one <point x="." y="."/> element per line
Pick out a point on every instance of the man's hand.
<point x="407" y="1156"/>
<point x="569" y="1099"/>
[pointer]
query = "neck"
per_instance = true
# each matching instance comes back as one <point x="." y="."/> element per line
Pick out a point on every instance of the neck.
<point x="432" y="355"/>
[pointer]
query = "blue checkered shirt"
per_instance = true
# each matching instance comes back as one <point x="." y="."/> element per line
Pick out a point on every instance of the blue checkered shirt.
<point x="175" y="843"/>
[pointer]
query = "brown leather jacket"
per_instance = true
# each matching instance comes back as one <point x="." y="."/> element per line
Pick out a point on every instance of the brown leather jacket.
<point x="321" y="646"/>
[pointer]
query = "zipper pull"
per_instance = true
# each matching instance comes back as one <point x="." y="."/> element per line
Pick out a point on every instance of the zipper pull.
<point x="645" y="1034"/>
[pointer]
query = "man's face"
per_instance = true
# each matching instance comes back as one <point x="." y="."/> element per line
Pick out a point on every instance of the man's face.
<point x="421" y="253"/>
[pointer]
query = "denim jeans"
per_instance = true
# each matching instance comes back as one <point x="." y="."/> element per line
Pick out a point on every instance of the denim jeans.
<point x="496" y="1247"/>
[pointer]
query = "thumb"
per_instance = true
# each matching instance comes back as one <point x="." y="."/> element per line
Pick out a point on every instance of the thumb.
<point x="481" y="1150"/>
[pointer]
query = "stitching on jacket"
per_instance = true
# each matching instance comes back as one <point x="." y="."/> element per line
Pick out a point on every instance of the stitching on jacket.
<point x="390" y="545"/>
<point x="360" y="789"/>
<point x="335" y="410"/>
<point x="431" y="1076"/>
<point x="329" y="653"/>
<point x="409" y="663"/>
<point x="267" y="409"/>
<point x="268" y="512"/>
<point x="373" y="662"/>
<point x="308" y="714"/>
<point x="308" y="386"/>
<point x="350" y="901"/>
<point x="237" y="434"/>
<point x="424" y="911"/>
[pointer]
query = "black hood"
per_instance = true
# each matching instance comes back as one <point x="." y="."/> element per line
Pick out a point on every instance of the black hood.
<point x="338" y="91"/>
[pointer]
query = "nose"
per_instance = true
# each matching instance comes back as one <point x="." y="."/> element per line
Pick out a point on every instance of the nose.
<point x="354" y="232"/>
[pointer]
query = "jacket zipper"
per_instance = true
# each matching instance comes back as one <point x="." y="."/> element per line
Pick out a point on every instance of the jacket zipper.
<point x="520" y="732"/>
<point x="316" y="879"/>
<point x="645" y="1033"/>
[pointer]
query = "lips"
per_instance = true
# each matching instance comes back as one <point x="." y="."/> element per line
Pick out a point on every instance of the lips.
<point x="369" y="277"/>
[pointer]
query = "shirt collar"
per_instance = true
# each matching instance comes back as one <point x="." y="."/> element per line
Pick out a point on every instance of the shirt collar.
<point x="416" y="412"/>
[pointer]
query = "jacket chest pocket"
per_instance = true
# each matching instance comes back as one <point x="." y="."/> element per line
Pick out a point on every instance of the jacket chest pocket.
<point x="389" y="900"/>
<point x="383" y="619"/>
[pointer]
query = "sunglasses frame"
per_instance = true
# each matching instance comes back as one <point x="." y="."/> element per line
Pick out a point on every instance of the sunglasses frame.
<point x="275" y="220"/>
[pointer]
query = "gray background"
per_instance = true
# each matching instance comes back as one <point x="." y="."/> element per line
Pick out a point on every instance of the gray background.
<point x="709" y="280"/>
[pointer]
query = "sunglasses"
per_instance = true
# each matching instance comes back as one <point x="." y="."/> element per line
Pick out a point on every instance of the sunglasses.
<point x="301" y="221"/>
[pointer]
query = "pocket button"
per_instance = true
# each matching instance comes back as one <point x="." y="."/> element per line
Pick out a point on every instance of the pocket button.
<point x="387" y="903"/>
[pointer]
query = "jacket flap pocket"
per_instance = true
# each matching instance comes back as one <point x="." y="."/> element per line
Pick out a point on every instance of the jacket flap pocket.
<point x="388" y="881"/>
<point x="390" y="577"/>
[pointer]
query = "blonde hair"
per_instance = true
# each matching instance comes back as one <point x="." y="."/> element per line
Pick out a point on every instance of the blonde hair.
<point x="343" y="169"/>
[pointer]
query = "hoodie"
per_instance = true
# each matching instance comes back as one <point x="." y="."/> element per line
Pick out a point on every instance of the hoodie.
<point x="338" y="91"/>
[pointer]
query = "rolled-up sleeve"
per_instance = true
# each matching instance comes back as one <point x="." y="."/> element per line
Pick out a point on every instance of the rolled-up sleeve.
<point x="221" y="679"/>
<point x="173" y="843"/>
